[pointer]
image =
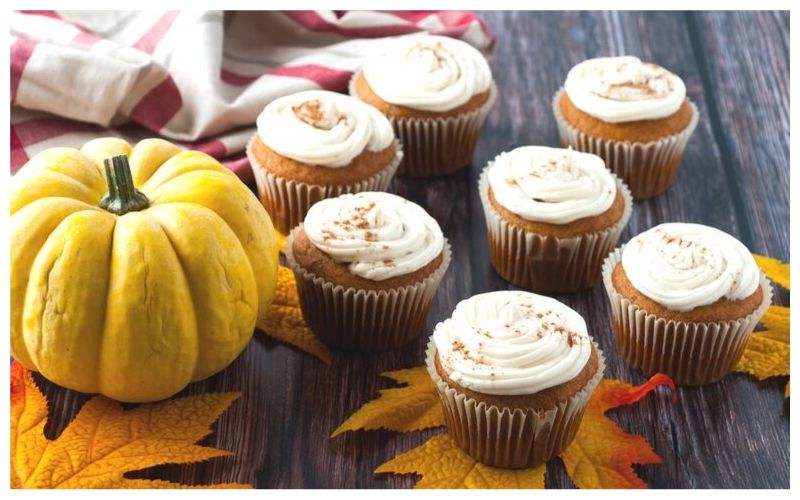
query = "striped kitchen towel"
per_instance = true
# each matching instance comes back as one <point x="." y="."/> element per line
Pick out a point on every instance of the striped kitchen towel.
<point x="197" y="78"/>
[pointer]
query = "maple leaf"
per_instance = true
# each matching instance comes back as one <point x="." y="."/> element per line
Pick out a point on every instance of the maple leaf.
<point x="285" y="320"/>
<point x="775" y="270"/>
<point x="442" y="464"/>
<point x="413" y="407"/>
<point x="104" y="442"/>
<point x="767" y="352"/>
<point x="601" y="454"/>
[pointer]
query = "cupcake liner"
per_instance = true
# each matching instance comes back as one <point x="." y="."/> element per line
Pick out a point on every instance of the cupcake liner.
<point x="438" y="146"/>
<point x="691" y="353"/>
<point x="287" y="201"/>
<point x="364" y="320"/>
<point x="548" y="263"/>
<point x="648" y="168"/>
<point x="514" y="439"/>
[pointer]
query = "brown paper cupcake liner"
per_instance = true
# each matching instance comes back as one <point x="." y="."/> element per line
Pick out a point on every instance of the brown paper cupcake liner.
<point x="548" y="263"/>
<point x="691" y="353"/>
<point x="514" y="439"/>
<point x="364" y="320"/>
<point x="648" y="168"/>
<point x="438" y="146"/>
<point x="287" y="201"/>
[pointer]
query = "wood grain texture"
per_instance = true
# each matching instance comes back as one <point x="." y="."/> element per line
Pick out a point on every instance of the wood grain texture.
<point x="735" y="176"/>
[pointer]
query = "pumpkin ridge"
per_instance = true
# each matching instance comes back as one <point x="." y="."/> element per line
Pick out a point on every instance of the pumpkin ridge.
<point x="32" y="254"/>
<point x="183" y="163"/>
<point x="35" y="176"/>
<point x="188" y="286"/>
<point x="232" y="302"/>
<point x="48" y="302"/>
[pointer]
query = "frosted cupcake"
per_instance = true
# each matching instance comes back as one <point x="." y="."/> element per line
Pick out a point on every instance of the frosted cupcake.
<point x="318" y="144"/>
<point x="552" y="216"/>
<point x="514" y="371"/>
<point x="633" y="114"/>
<point x="367" y="268"/>
<point x="685" y="299"/>
<point x="436" y="91"/>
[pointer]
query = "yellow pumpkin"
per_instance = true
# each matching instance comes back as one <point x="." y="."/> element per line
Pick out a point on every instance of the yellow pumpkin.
<point x="134" y="292"/>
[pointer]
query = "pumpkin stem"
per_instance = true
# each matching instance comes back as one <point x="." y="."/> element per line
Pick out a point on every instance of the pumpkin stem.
<point x="122" y="196"/>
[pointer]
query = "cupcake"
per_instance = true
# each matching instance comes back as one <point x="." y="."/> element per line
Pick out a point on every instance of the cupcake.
<point x="514" y="371"/>
<point x="552" y="216"/>
<point x="318" y="144"/>
<point x="436" y="91"/>
<point x="685" y="299"/>
<point x="634" y="115"/>
<point x="367" y="267"/>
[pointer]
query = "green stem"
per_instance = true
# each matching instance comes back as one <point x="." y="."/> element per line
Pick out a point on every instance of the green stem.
<point x="122" y="196"/>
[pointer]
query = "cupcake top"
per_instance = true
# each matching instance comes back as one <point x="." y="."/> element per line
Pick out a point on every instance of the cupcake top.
<point x="624" y="89"/>
<point x="429" y="73"/>
<point x="379" y="235"/>
<point x="682" y="266"/>
<point x="512" y="343"/>
<point x="318" y="127"/>
<point x="552" y="185"/>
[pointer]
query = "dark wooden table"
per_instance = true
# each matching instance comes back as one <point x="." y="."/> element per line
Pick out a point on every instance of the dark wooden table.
<point x="735" y="176"/>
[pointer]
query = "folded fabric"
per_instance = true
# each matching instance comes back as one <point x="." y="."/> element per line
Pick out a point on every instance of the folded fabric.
<point x="199" y="78"/>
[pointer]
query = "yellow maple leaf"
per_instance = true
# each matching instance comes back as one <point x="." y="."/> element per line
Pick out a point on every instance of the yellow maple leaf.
<point x="776" y="270"/>
<point x="104" y="442"/>
<point x="285" y="320"/>
<point x="442" y="464"/>
<point x="767" y="352"/>
<point x="413" y="407"/>
<point x="600" y="456"/>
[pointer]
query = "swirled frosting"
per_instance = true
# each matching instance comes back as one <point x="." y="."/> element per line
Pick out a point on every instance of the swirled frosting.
<point x="379" y="235"/>
<point x="430" y="73"/>
<point x="512" y="343"/>
<point x="552" y="185"/>
<point x="683" y="266"/>
<point x="318" y="127"/>
<point x="624" y="89"/>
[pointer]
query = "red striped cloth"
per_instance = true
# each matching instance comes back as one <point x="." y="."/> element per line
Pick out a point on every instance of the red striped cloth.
<point x="197" y="78"/>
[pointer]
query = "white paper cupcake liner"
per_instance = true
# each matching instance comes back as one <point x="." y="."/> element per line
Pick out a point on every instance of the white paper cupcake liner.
<point x="515" y="439"/>
<point x="364" y="320"/>
<point x="548" y="263"/>
<point x="691" y="353"/>
<point x="648" y="168"/>
<point x="438" y="146"/>
<point x="287" y="201"/>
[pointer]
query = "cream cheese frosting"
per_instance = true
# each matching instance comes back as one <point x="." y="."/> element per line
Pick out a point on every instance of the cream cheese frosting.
<point x="552" y="185"/>
<point x="318" y="127"/>
<point x="683" y="266"/>
<point x="426" y="72"/>
<point x="379" y="235"/>
<point x="512" y="343"/>
<point x="624" y="89"/>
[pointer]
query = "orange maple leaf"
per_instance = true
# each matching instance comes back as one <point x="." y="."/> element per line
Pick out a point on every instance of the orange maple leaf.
<point x="600" y="456"/>
<point x="767" y="352"/>
<point x="285" y="320"/>
<point x="104" y="442"/>
<point x="413" y="407"/>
